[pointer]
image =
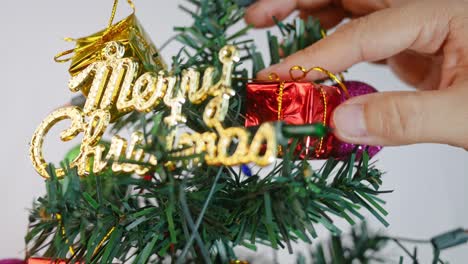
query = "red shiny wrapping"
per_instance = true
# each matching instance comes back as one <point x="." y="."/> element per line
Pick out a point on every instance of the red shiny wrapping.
<point x="48" y="261"/>
<point x="303" y="103"/>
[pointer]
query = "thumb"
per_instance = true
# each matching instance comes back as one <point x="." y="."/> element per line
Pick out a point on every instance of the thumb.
<point x="400" y="118"/>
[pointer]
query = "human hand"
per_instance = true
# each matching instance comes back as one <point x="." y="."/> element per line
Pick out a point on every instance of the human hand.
<point x="424" y="42"/>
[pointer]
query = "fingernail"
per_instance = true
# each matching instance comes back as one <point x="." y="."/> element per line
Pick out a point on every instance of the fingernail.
<point x="349" y="121"/>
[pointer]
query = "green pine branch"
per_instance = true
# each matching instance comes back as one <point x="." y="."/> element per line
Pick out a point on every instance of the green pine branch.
<point x="365" y="246"/>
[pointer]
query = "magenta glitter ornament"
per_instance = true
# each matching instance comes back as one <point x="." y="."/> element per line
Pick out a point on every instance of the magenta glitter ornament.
<point x="342" y="149"/>
<point x="12" y="261"/>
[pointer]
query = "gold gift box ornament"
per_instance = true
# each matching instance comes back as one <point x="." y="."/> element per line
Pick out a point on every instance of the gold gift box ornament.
<point x="128" y="32"/>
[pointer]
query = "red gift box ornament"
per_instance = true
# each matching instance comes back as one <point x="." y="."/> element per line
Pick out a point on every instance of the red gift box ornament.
<point x="297" y="102"/>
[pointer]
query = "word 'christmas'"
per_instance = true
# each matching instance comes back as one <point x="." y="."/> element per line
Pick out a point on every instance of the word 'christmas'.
<point x="113" y="89"/>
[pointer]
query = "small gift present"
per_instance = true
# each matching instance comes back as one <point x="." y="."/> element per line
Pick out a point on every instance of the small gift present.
<point x="128" y="32"/>
<point x="295" y="103"/>
<point x="110" y="59"/>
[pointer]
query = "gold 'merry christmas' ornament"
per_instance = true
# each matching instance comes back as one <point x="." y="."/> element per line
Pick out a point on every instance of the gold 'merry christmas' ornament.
<point x="116" y="89"/>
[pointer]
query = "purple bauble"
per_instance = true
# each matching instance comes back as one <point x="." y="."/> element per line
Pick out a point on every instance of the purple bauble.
<point x="342" y="149"/>
<point x="12" y="261"/>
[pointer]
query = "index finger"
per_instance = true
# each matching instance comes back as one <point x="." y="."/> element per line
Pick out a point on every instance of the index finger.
<point x="262" y="12"/>
<point x="377" y="36"/>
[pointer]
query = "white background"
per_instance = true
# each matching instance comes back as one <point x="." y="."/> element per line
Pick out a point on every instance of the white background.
<point x="429" y="180"/>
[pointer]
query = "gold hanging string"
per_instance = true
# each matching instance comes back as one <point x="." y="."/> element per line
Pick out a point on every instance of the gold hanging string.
<point x="323" y="33"/>
<point x="70" y="248"/>
<point x="341" y="76"/>
<point x="280" y="107"/>
<point x="280" y="100"/>
<point x="104" y="239"/>
<point x="114" y="11"/>
<point x="62" y="228"/>
<point x="275" y="77"/>
<point x="58" y="58"/>
<point x="305" y="71"/>
<point x="324" y="120"/>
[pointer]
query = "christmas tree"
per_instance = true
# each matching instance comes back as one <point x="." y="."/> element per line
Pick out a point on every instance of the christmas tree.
<point x="191" y="186"/>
